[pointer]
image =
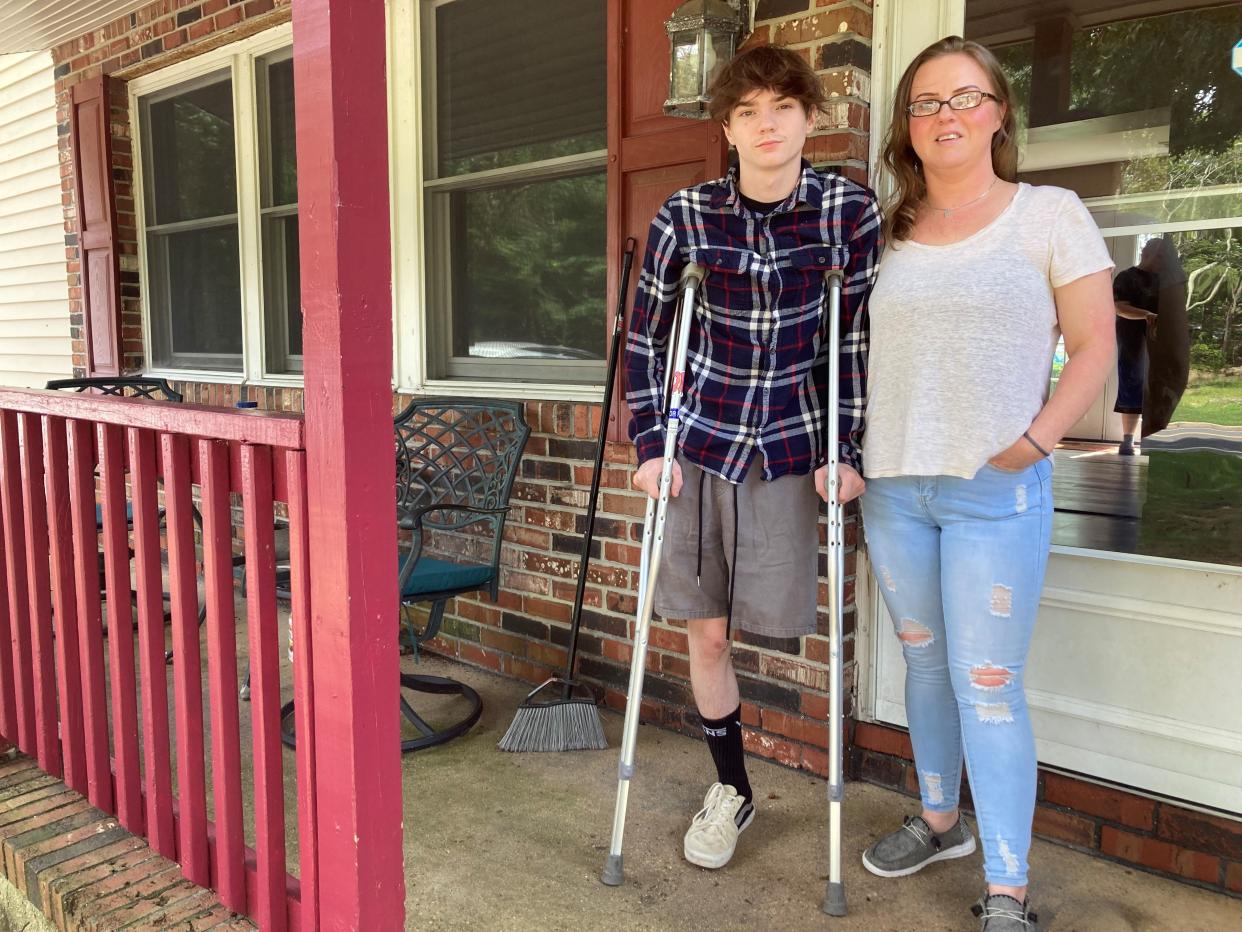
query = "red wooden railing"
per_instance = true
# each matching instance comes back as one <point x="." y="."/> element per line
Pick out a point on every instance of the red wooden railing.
<point x="60" y="702"/>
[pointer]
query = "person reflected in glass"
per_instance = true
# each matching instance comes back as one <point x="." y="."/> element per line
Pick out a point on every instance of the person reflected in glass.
<point x="1168" y="341"/>
<point x="1153" y="341"/>
<point x="980" y="278"/>
<point x="1135" y="296"/>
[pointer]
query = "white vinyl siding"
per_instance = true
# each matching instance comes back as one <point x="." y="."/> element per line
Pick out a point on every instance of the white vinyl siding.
<point x="45" y="25"/>
<point x="34" y="294"/>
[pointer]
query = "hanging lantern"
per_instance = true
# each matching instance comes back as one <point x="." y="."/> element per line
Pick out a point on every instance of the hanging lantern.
<point x="702" y="36"/>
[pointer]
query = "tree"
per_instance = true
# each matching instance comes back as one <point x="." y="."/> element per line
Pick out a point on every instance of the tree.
<point x="1214" y="283"/>
<point x="1179" y="60"/>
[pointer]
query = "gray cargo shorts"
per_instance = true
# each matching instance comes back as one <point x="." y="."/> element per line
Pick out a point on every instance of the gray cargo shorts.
<point x="775" y="526"/>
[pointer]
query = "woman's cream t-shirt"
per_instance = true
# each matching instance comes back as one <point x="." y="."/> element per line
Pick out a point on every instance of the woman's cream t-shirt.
<point x="962" y="335"/>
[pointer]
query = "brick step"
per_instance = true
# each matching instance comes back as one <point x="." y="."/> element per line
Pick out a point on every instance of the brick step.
<point x="84" y="871"/>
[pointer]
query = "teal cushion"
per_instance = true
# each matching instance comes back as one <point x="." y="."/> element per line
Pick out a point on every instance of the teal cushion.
<point x="129" y="514"/>
<point x="431" y="575"/>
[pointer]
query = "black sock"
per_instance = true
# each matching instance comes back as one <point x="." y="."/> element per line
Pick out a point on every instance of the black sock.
<point x="724" y="740"/>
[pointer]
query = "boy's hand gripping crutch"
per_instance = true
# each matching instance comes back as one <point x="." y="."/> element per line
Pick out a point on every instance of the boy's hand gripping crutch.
<point x="649" y="562"/>
<point x="834" y="896"/>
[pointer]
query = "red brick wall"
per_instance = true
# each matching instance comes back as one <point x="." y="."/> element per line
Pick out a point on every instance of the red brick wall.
<point x="835" y="37"/>
<point x="526" y="632"/>
<point x="1151" y="834"/>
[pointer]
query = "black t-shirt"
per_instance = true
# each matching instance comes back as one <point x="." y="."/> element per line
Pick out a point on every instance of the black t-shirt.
<point x="1142" y="289"/>
<point x="760" y="207"/>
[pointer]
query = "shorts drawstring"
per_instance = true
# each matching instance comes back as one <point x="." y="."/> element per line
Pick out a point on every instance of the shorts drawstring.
<point x="737" y="520"/>
<point x="698" y="570"/>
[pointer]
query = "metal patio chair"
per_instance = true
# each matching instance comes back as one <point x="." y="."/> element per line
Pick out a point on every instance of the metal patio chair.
<point x="456" y="460"/>
<point x="119" y="387"/>
<point x="153" y="389"/>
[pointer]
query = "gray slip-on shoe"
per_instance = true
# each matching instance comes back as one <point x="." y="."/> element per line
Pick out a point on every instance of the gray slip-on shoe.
<point x="913" y="846"/>
<point x="1000" y="913"/>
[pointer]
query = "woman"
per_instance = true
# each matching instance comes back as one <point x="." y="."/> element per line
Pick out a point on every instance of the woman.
<point x="979" y="277"/>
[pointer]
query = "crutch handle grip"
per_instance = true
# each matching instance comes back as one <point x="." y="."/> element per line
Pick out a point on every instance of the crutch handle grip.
<point x="693" y="274"/>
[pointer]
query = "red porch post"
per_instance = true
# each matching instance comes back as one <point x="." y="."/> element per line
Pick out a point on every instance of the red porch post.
<point x="342" y="150"/>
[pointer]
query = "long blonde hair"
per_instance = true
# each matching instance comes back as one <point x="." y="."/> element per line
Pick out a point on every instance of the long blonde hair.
<point x="899" y="155"/>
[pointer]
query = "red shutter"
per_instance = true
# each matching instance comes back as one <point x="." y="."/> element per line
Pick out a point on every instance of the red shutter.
<point x="91" y="138"/>
<point x="649" y="155"/>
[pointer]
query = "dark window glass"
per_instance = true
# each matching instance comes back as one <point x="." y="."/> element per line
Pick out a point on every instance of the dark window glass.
<point x="196" y="281"/>
<point x="517" y="81"/>
<point x="191" y="161"/>
<point x="530" y="272"/>
<point x="279" y="178"/>
<point x="282" y="170"/>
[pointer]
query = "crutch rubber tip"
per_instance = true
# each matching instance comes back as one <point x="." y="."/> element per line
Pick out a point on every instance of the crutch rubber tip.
<point x="834" y="900"/>
<point x="613" y="873"/>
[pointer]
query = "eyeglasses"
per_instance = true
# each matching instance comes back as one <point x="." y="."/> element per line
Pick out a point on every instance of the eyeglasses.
<point x="967" y="100"/>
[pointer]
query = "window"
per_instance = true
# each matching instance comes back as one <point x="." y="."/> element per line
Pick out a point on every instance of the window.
<point x="278" y="185"/>
<point x="1151" y="139"/>
<point x="219" y="213"/>
<point x="190" y="189"/>
<point x="514" y="188"/>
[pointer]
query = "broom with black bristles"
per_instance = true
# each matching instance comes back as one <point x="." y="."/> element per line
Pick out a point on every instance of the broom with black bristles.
<point x="568" y="722"/>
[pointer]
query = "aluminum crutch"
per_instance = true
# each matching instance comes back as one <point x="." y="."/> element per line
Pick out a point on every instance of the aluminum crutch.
<point x="834" y="896"/>
<point x="649" y="561"/>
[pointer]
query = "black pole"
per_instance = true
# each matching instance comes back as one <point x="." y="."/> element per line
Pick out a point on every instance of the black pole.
<point x="614" y="353"/>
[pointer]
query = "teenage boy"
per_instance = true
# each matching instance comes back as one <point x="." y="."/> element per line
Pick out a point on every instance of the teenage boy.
<point x="741" y="534"/>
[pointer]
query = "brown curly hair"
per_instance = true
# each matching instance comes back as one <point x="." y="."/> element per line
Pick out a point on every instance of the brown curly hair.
<point x="765" y="67"/>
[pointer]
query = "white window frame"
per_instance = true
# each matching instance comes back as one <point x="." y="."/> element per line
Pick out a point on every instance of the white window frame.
<point x="407" y="153"/>
<point x="239" y="58"/>
<point x="276" y="329"/>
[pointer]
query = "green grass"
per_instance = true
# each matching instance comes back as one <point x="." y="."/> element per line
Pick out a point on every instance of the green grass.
<point x="1193" y="508"/>
<point x="1217" y="400"/>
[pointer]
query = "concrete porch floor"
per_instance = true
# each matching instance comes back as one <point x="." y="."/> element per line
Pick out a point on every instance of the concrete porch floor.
<point x="517" y="841"/>
<point x="498" y="841"/>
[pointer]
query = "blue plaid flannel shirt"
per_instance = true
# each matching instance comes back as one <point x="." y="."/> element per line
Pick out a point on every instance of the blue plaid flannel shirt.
<point x="757" y="369"/>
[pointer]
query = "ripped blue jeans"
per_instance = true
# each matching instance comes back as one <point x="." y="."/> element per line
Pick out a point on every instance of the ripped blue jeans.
<point x="960" y="564"/>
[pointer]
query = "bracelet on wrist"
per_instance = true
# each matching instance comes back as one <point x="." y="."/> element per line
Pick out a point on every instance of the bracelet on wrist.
<point x="1031" y="440"/>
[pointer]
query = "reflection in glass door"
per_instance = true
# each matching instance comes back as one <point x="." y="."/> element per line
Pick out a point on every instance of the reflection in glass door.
<point x="1142" y="117"/>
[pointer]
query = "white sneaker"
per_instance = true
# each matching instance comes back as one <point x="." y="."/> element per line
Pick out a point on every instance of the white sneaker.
<point x="713" y="832"/>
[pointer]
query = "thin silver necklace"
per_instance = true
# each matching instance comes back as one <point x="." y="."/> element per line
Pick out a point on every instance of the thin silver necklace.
<point x="948" y="210"/>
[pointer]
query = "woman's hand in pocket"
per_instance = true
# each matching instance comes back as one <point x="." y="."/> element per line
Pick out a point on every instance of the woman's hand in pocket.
<point x="1017" y="456"/>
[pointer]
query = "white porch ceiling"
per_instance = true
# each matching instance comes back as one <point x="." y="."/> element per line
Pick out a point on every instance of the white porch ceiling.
<point x="34" y="25"/>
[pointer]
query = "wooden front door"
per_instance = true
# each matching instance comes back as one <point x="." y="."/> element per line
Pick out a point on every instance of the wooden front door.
<point x="650" y="155"/>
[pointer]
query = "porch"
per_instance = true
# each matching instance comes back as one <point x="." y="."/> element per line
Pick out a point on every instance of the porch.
<point x="350" y="785"/>
<point x="488" y="839"/>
